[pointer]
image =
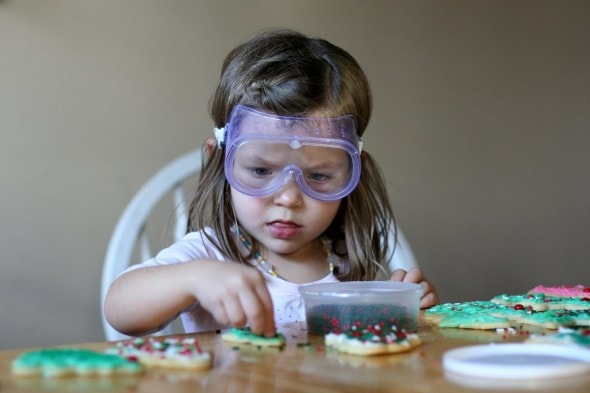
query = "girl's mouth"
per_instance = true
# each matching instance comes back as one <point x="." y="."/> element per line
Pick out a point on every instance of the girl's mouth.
<point x="283" y="229"/>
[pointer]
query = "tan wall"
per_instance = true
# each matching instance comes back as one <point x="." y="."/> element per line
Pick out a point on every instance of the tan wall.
<point x="481" y="124"/>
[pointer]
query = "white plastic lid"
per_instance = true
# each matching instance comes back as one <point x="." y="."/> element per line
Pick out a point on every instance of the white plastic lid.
<point x="518" y="361"/>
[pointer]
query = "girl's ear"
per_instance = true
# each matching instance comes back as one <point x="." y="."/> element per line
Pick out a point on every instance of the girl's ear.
<point x="209" y="147"/>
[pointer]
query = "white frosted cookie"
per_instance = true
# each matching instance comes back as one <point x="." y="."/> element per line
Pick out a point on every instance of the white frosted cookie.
<point x="372" y="340"/>
<point x="174" y="352"/>
<point x="245" y="336"/>
<point x="73" y="362"/>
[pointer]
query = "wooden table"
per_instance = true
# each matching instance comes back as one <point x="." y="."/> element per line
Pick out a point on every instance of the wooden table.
<point x="305" y="369"/>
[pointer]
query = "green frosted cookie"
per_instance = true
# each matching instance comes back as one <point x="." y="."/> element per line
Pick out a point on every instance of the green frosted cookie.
<point x="65" y="362"/>
<point x="245" y="336"/>
<point x="472" y="315"/>
<point x="552" y="319"/>
<point x="566" y="336"/>
<point x="474" y="321"/>
<point x="533" y="302"/>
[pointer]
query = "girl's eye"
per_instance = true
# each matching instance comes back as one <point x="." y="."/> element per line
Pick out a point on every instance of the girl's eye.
<point x="319" y="177"/>
<point x="261" y="171"/>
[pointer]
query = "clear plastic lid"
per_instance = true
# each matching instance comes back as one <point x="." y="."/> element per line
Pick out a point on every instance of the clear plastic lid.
<point x="357" y="289"/>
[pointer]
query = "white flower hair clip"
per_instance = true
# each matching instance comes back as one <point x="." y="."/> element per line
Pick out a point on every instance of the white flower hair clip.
<point x="219" y="135"/>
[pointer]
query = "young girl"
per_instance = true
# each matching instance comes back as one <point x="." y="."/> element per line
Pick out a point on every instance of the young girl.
<point x="287" y="197"/>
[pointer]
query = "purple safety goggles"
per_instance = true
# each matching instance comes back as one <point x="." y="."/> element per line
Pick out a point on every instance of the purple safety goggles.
<point x="264" y="151"/>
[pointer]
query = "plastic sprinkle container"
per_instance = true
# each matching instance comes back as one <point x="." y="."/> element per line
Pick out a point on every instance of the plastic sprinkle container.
<point x="338" y="307"/>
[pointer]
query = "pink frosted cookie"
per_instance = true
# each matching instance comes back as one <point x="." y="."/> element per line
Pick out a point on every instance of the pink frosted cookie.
<point x="563" y="291"/>
<point x="179" y="353"/>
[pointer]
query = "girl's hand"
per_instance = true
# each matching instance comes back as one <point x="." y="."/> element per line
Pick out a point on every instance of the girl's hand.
<point x="414" y="275"/>
<point x="236" y="295"/>
<point x="144" y="300"/>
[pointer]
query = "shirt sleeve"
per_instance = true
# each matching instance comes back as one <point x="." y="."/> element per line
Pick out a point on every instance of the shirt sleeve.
<point x="193" y="246"/>
<point x="401" y="256"/>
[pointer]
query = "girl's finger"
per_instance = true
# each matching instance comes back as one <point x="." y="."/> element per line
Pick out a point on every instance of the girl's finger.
<point x="398" y="275"/>
<point x="218" y="312"/>
<point x="235" y="312"/>
<point x="414" y="275"/>
<point x="269" y="328"/>
<point x="253" y="311"/>
<point x="428" y="300"/>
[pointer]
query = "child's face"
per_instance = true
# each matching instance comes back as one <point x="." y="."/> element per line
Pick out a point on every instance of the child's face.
<point x="286" y="221"/>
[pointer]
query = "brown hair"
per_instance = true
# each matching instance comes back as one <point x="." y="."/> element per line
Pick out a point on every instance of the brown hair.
<point x="288" y="73"/>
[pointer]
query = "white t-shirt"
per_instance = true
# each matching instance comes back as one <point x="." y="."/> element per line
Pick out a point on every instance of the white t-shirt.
<point x="287" y="301"/>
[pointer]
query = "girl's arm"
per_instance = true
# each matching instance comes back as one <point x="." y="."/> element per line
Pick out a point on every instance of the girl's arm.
<point x="144" y="300"/>
<point x="430" y="296"/>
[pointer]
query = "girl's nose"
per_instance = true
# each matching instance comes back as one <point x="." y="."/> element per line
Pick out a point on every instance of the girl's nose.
<point x="289" y="194"/>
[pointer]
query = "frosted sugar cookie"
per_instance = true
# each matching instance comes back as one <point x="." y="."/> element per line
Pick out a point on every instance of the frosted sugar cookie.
<point x="245" y="336"/>
<point x="565" y="336"/>
<point x="69" y="362"/>
<point x="534" y="302"/>
<point x="552" y="319"/>
<point x="174" y="352"/>
<point x="549" y="319"/>
<point x="542" y="302"/>
<point x="438" y="312"/>
<point x="474" y="321"/>
<point x="563" y="290"/>
<point x="569" y="303"/>
<point x="370" y="340"/>
<point x="472" y="315"/>
<point x="503" y="311"/>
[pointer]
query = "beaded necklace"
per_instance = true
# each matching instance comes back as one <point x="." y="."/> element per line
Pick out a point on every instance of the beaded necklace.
<point x="267" y="267"/>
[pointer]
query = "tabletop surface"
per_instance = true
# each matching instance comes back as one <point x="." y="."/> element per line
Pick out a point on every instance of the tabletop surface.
<point x="306" y="368"/>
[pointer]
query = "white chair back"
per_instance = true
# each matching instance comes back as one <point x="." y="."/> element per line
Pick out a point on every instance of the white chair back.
<point x="130" y="237"/>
